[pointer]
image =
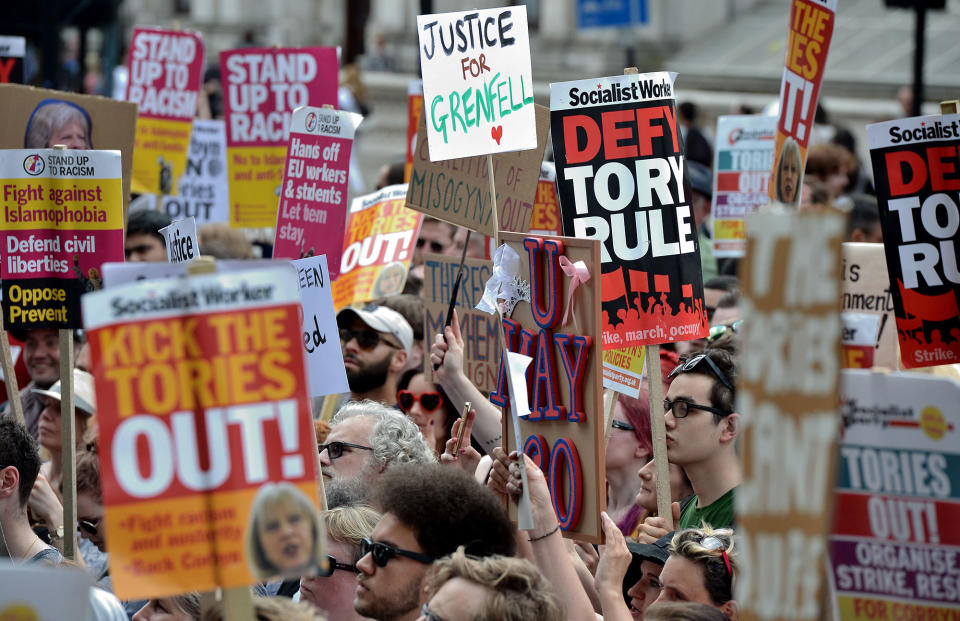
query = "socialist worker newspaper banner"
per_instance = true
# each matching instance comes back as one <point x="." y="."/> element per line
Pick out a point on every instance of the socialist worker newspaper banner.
<point x="894" y="545"/>
<point x="377" y="248"/>
<point x="204" y="427"/>
<point x="808" y="39"/>
<point x="915" y="167"/>
<point x="313" y="201"/>
<point x="166" y="68"/>
<point x="262" y="88"/>
<point x="742" y="163"/>
<point x="62" y="219"/>
<point x="620" y="178"/>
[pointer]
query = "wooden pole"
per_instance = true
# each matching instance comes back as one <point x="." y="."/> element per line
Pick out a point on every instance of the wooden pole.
<point x="657" y="425"/>
<point x="10" y="376"/>
<point x="951" y="106"/>
<point x="68" y="446"/>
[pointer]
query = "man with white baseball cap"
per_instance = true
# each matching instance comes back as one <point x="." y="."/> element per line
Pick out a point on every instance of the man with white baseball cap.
<point x="376" y="342"/>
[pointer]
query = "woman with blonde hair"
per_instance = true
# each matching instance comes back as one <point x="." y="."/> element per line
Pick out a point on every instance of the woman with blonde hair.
<point x="55" y="122"/>
<point x="701" y="568"/>
<point x="283" y="534"/>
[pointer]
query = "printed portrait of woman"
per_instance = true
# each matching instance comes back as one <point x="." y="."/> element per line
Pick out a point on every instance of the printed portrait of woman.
<point x="283" y="534"/>
<point x="55" y="121"/>
<point x="789" y="173"/>
<point x="390" y="280"/>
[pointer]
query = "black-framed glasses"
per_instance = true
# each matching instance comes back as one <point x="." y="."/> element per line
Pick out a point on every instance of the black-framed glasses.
<point x="382" y="553"/>
<point x="428" y="614"/>
<point x="335" y="449"/>
<point x="692" y="363"/>
<point x="332" y="565"/>
<point x="681" y="408"/>
<point x="717" y="331"/>
<point x="89" y="526"/>
<point x="619" y="424"/>
<point x="435" y="246"/>
<point x="366" y="339"/>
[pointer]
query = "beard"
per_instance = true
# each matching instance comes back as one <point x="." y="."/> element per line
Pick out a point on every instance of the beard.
<point x="369" y="377"/>
<point x="387" y="607"/>
<point x="344" y="492"/>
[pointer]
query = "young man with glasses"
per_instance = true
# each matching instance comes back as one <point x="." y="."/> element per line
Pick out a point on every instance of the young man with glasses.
<point x="428" y="512"/>
<point x="376" y="342"/>
<point x="701" y="430"/>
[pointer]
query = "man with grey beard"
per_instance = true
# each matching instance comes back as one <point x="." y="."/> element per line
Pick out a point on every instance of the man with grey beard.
<point x="376" y="343"/>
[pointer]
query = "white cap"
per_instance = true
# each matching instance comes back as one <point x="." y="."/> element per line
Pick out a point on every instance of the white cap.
<point x="382" y="319"/>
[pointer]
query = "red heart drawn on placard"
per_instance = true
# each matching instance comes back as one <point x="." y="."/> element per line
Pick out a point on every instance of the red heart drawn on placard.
<point x="497" y="133"/>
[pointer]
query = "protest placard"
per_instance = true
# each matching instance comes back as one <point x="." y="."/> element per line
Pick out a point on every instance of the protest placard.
<point x="559" y="327"/>
<point x="481" y="335"/>
<point x="458" y="190"/>
<point x="623" y="370"/>
<point x="62" y="218"/>
<point x="321" y="336"/>
<point x="166" y="68"/>
<point x="742" y="164"/>
<point x="182" y="244"/>
<point x="623" y="129"/>
<point x="204" y="421"/>
<point x="378" y="246"/>
<point x="115" y="274"/>
<point x="859" y="339"/>
<point x="546" y="208"/>
<point x="25" y="595"/>
<point x="787" y="394"/>
<point x="914" y="164"/>
<point x="12" y="50"/>
<point x="202" y="191"/>
<point x="866" y="291"/>
<point x="809" y="31"/>
<point x="477" y="83"/>
<point x="313" y="200"/>
<point x="414" y="109"/>
<point x="37" y="118"/>
<point x="262" y="88"/>
<point x="894" y="542"/>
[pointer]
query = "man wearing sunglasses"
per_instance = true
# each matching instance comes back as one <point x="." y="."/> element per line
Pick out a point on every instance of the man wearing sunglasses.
<point x="428" y="512"/>
<point x="701" y="430"/>
<point x="376" y="343"/>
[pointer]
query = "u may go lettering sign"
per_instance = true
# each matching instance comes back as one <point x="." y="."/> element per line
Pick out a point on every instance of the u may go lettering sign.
<point x="477" y="82"/>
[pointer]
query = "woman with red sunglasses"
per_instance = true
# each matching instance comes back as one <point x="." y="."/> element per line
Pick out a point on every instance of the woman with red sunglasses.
<point x="427" y="406"/>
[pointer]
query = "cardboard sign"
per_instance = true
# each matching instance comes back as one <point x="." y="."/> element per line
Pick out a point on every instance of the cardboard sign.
<point x="166" y="69"/>
<point x="321" y="336"/>
<point x="26" y="592"/>
<point x="564" y="432"/>
<point x="182" y="244"/>
<point x="859" y="339"/>
<point x="546" y="207"/>
<point x="110" y="125"/>
<point x="202" y="191"/>
<point x="12" y="51"/>
<point x="866" y="291"/>
<point x="458" y="190"/>
<point x="787" y="397"/>
<point x="742" y="163"/>
<point x="477" y="82"/>
<point x="620" y="178"/>
<point x="116" y="274"/>
<point x="808" y="39"/>
<point x="262" y="87"/>
<point x="414" y="108"/>
<point x="313" y="203"/>
<point x="62" y="218"/>
<point x="913" y="164"/>
<point x="377" y="248"/>
<point x="481" y="335"/>
<point x="203" y="413"/>
<point x="894" y="540"/>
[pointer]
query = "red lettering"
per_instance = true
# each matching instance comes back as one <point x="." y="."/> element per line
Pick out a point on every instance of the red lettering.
<point x="6" y="66"/>
<point x="612" y="135"/>
<point x="943" y="162"/>
<point x="646" y="130"/>
<point x="571" y="138"/>
<point x="899" y="186"/>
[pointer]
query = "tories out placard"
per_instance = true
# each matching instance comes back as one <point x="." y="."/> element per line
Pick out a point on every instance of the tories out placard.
<point x="166" y="67"/>
<point x="202" y="190"/>
<point x="742" y="164"/>
<point x="620" y="178"/>
<point x="313" y="198"/>
<point x="62" y="219"/>
<point x="262" y="87"/>
<point x="915" y="167"/>
<point x="205" y="429"/>
<point x="477" y="82"/>
<point x="809" y="31"/>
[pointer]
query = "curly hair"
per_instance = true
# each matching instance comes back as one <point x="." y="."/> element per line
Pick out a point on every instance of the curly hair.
<point x="446" y="508"/>
<point x="712" y="550"/>
<point x="394" y="438"/>
<point x="518" y="591"/>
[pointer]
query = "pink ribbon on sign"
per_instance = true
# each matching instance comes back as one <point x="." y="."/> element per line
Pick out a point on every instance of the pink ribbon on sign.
<point x="578" y="273"/>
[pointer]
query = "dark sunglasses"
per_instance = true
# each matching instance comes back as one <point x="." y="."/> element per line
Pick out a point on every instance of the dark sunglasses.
<point x="616" y="424"/>
<point x="430" y="401"/>
<point x="91" y="528"/>
<point x="366" y="339"/>
<point x="435" y="246"/>
<point x="718" y="331"/>
<point x="335" y="449"/>
<point x="692" y="363"/>
<point x="428" y="614"/>
<point x="382" y="553"/>
<point x="681" y="408"/>
<point x="332" y="565"/>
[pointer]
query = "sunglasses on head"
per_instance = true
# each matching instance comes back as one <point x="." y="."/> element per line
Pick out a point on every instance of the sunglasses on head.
<point x="382" y="553"/>
<point x="429" y="401"/>
<point x="335" y="449"/>
<point x="366" y="339"/>
<point x="692" y="363"/>
<point x="713" y="543"/>
<point x="332" y="565"/>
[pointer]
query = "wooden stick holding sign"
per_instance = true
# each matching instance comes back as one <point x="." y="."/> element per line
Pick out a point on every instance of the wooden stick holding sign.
<point x="10" y="375"/>
<point x="68" y="441"/>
